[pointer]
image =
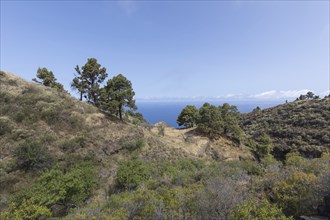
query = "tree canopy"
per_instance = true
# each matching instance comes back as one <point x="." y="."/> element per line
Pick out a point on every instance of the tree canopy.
<point x="88" y="80"/>
<point x="47" y="79"/>
<point x="210" y="121"/>
<point x="188" y="117"/>
<point x="117" y="94"/>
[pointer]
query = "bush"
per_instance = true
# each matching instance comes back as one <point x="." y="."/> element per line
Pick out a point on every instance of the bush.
<point x="32" y="155"/>
<point x="27" y="210"/>
<point x="262" y="210"/>
<point x="218" y="196"/>
<point x="263" y="146"/>
<point x="73" y="143"/>
<point x="163" y="203"/>
<point x="134" y="144"/>
<point x="296" y="194"/>
<point x="5" y="126"/>
<point x="132" y="173"/>
<point x="58" y="187"/>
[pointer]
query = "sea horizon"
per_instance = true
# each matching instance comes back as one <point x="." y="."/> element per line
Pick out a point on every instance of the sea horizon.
<point x="168" y="110"/>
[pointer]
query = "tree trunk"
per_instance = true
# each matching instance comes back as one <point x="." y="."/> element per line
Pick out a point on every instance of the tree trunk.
<point x="81" y="94"/>
<point x="120" y="116"/>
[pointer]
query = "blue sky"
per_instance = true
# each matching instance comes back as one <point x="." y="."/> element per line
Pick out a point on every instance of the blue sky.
<point x="175" y="49"/>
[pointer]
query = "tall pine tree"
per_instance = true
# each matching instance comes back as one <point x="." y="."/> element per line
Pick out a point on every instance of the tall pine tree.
<point x="88" y="80"/>
<point x="117" y="94"/>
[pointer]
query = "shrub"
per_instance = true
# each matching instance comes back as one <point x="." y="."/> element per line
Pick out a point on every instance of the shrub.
<point x="251" y="209"/>
<point x="132" y="173"/>
<point x="263" y="146"/>
<point x="218" y="196"/>
<point x="32" y="155"/>
<point x="27" y="210"/>
<point x="295" y="161"/>
<point x="295" y="194"/>
<point x="58" y="187"/>
<point x="73" y="143"/>
<point x="5" y="126"/>
<point x="163" y="203"/>
<point x="134" y="144"/>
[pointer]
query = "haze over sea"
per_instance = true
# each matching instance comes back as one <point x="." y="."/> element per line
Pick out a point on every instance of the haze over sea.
<point x="168" y="111"/>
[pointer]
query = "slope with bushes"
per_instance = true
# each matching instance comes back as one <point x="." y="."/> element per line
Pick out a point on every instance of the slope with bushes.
<point x="302" y="126"/>
<point x="66" y="159"/>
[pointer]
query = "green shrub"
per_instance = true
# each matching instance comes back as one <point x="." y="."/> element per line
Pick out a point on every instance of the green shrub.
<point x="163" y="203"/>
<point x="32" y="155"/>
<point x="258" y="211"/>
<point x="73" y="143"/>
<point x="5" y="126"/>
<point x="180" y="172"/>
<point x="28" y="210"/>
<point x="134" y="144"/>
<point x="295" y="161"/>
<point x="19" y="116"/>
<point x="132" y="173"/>
<point x="55" y="186"/>
<point x="296" y="194"/>
<point x="262" y="146"/>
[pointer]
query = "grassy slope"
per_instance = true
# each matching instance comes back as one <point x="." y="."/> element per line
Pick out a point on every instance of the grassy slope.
<point x="300" y="125"/>
<point x="73" y="130"/>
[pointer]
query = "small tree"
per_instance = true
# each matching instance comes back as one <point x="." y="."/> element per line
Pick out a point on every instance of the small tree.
<point x="309" y="95"/>
<point x="47" y="79"/>
<point x="88" y="81"/>
<point x="264" y="145"/>
<point x="117" y="94"/>
<point x="188" y="116"/>
<point x="230" y="116"/>
<point x="210" y="121"/>
<point x="79" y="83"/>
<point x="256" y="110"/>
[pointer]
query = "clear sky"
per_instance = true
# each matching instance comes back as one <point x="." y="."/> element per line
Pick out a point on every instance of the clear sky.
<point x="171" y="49"/>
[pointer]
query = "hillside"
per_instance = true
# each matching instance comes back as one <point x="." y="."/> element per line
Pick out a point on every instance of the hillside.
<point x="302" y="126"/>
<point x="61" y="157"/>
<point x="73" y="131"/>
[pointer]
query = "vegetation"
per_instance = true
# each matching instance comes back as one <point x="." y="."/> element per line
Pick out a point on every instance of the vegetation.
<point x="66" y="159"/>
<point x="212" y="121"/>
<point x="88" y="81"/>
<point x="309" y="95"/>
<point x="117" y="94"/>
<point x="302" y="126"/>
<point x="259" y="211"/>
<point x="31" y="155"/>
<point x="48" y="79"/>
<point x="53" y="187"/>
<point x="188" y="117"/>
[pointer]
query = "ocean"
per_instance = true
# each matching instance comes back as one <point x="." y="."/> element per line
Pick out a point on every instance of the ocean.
<point x="166" y="111"/>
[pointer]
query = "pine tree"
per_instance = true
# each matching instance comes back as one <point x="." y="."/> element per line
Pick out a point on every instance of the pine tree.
<point x="188" y="116"/>
<point x="88" y="81"/>
<point x="47" y="79"/>
<point x="117" y="94"/>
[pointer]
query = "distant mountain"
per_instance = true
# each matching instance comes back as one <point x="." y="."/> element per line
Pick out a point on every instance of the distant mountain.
<point x="302" y="126"/>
